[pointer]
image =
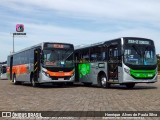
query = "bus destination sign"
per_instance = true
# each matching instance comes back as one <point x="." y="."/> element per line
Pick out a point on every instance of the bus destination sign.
<point x="140" y="42"/>
<point x="58" y="45"/>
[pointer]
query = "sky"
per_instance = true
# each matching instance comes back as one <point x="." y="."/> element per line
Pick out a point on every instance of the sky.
<point x="77" y="21"/>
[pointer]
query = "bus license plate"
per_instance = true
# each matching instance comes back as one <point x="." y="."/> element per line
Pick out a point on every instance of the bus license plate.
<point x="60" y="78"/>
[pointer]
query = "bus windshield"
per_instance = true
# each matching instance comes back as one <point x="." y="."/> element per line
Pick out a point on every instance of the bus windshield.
<point x="139" y="55"/>
<point x="58" y="57"/>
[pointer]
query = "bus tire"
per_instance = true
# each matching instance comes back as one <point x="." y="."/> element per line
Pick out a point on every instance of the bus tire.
<point x="15" y="82"/>
<point x="103" y="81"/>
<point x="33" y="83"/>
<point x="130" y="85"/>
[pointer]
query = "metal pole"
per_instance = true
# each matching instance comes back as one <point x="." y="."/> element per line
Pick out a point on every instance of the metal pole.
<point x="13" y="42"/>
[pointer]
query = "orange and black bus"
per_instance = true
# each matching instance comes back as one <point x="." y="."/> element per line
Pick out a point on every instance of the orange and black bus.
<point x="43" y="63"/>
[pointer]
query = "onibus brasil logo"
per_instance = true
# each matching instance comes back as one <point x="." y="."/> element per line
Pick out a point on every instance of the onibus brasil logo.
<point x="19" y="30"/>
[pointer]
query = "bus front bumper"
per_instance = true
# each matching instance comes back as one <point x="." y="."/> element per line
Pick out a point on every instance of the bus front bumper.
<point x="46" y="79"/>
<point x="130" y="79"/>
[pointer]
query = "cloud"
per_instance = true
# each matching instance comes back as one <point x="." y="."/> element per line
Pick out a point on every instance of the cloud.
<point x="92" y="9"/>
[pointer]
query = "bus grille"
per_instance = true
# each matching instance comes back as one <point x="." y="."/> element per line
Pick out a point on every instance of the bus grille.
<point x="65" y="78"/>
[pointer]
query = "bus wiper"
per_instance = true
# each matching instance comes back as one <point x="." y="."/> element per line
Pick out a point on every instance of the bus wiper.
<point x="68" y="56"/>
<point x="67" y="50"/>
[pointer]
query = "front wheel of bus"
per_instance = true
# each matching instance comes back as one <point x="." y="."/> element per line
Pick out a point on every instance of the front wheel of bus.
<point x="130" y="85"/>
<point x="103" y="81"/>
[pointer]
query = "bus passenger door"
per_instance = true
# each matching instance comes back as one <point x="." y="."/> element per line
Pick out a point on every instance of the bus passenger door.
<point x="11" y="67"/>
<point x="37" y="63"/>
<point x="113" y="62"/>
<point x="76" y="55"/>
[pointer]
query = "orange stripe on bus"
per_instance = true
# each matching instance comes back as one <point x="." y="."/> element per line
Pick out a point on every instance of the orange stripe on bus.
<point x="19" y="69"/>
<point x="60" y="74"/>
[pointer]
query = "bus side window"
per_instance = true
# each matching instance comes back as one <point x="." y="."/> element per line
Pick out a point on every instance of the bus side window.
<point x="93" y="57"/>
<point x="99" y="56"/>
<point x="113" y="53"/>
<point x="85" y="56"/>
<point x="103" y="56"/>
<point x="110" y="53"/>
<point x="31" y="57"/>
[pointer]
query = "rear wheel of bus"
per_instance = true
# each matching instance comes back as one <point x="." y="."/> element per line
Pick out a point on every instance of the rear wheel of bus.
<point x="15" y="82"/>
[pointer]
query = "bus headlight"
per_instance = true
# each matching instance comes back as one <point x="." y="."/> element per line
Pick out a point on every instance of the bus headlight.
<point x="127" y="70"/>
<point x="46" y="73"/>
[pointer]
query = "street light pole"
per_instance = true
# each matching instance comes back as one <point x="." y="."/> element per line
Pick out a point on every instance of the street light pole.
<point x="13" y="42"/>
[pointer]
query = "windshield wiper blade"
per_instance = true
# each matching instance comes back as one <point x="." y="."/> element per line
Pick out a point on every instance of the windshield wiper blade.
<point x="66" y="51"/>
<point x="68" y="56"/>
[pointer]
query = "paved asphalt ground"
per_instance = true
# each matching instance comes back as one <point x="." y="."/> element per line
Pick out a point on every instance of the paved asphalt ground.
<point x="144" y="97"/>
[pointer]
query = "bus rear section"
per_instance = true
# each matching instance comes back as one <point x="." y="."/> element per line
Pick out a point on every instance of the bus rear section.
<point x="125" y="61"/>
<point x="43" y="63"/>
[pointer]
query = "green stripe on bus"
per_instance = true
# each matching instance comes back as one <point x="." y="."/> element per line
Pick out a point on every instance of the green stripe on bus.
<point x="143" y="73"/>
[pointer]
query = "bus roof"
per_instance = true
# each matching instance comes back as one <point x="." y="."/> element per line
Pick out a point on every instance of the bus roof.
<point x="105" y="42"/>
<point x="40" y="44"/>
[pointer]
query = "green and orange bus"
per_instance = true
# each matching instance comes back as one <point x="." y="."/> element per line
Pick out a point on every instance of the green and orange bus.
<point x="43" y="63"/>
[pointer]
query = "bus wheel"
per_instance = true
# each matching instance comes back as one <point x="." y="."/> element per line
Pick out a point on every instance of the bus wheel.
<point x="33" y="83"/>
<point x="103" y="82"/>
<point x="130" y="85"/>
<point x="15" y="82"/>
